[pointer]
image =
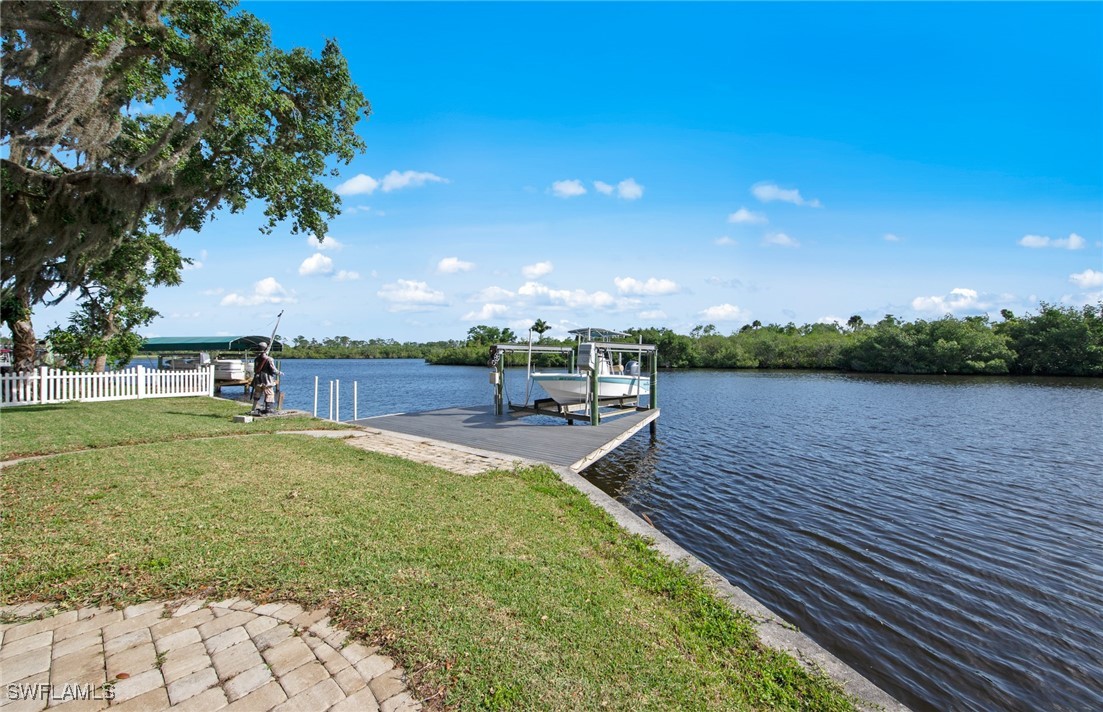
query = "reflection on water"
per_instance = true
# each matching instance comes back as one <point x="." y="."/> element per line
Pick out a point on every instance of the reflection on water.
<point x="636" y="466"/>
<point x="941" y="535"/>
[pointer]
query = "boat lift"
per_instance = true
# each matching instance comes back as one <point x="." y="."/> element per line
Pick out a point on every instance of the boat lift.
<point x="588" y="411"/>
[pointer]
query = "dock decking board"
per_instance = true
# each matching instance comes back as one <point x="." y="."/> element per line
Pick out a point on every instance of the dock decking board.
<point x="478" y="427"/>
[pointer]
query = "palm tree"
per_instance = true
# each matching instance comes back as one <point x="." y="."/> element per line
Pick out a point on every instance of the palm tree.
<point x="540" y="327"/>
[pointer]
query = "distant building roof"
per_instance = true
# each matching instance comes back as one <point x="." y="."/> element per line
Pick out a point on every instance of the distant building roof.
<point x="205" y="343"/>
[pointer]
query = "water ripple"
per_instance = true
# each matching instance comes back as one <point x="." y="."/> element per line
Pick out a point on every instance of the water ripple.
<point x="943" y="536"/>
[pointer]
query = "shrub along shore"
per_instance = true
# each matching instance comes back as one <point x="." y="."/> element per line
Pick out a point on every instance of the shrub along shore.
<point x="504" y="591"/>
<point x="1057" y="341"/>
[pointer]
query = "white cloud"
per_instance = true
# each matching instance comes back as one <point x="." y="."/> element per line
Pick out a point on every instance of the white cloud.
<point x="724" y="312"/>
<point x="329" y="243"/>
<point x="266" y="291"/>
<point x="958" y="299"/>
<point x="488" y="312"/>
<point x="837" y="320"/>
<point x="573" y="298"/>
<point x="747" y="217"/>
<point x="196" y="263"/>
<point x="724" y="241"/>
<point x="492" y="294"/>
<point x="603" y="187"/>
<point x="451" y="265"/>
<point x="1087" y="279"/>
<point x="769" y="192"/>
<point x="354" y="209"/>
<point x="360" y="184"/>
<point x="212" y="292"/>
<point x="652" y="287"/>
<point x="780" y="239"/>
<point x="889" y="237"/>
<point x="654" y="314"/>
<point x="346" y="276"/>
<point x="629" y="189"/>
<point x="410" y="295"/>
<point x="567" y="188"/>
<point x="316" y="264"/>
<point x="537" y="270"/>
<point x="363" y="184"/>
<point x="1072" y="242"/>
<point x="409" y="179"/>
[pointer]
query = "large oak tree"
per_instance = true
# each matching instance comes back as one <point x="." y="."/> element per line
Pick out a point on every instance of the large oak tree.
<point x="111" y="305"/>
<point x="122" y="114"/>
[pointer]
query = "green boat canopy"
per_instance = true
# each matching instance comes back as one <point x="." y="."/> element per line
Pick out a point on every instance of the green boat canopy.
<point x="177" y="344"/>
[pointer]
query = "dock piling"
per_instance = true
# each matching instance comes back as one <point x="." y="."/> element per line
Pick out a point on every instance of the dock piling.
<point x="595" y="398"/>
<point x="499" y="387"/>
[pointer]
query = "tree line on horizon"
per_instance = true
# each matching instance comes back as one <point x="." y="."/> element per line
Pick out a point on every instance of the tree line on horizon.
<point x="1057" y="340"/>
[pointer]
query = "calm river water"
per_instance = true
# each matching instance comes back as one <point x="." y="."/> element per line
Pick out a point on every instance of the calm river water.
<point x="943" y="536"/>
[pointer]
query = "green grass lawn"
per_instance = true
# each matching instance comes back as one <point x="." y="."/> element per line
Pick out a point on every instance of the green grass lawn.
<point x="44" y="429"/>
<point x="504" y="591"/>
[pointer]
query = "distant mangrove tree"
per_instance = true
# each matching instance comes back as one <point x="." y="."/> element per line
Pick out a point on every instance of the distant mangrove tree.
<point x="1063" y="341"/>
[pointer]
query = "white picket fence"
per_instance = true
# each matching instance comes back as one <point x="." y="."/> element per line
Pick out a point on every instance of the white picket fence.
<point x="51" y="385"/>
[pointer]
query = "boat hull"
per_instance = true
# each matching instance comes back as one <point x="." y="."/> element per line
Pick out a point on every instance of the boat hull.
<point x="569" y="388"/>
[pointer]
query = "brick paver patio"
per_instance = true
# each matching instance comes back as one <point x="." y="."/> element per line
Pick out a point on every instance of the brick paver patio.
<point x="191" y="655"/>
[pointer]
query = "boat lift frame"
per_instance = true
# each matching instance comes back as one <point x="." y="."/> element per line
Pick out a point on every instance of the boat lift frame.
<point x="593" y="417"/>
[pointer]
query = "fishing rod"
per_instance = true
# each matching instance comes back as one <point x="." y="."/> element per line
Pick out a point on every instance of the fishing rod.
<point x="272" y="338"/>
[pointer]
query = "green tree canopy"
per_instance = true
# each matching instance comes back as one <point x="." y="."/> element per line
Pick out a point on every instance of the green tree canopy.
<point x="112" y="302"/>
<point x="1057" y="340"/>
<point x="117" y="114"/>
<point x="483" y="335"/>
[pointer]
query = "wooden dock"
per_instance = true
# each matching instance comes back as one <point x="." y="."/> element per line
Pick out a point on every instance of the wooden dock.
<point x="554" y="443"/>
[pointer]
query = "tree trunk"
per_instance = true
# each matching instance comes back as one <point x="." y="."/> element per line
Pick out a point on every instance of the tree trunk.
<point x="110" y="330"/>
<point x="17" y="316"/>
<point x="23" y="344"/>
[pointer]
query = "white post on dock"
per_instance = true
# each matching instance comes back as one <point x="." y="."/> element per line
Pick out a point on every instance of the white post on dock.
<point x="315" y="396"/>
<point x="354" y="399"/>
<point x="331" y="400"/>
<point x="338" y="418"/>
<point x="528" y="371"/>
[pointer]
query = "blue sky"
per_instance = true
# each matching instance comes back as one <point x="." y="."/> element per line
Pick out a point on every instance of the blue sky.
<point x="627" y="165"/>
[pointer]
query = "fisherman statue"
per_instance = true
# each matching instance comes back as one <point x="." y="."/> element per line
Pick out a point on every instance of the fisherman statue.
<point x="265" y="377"/>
